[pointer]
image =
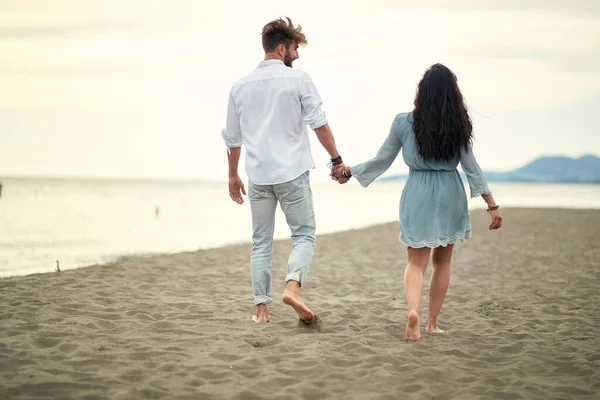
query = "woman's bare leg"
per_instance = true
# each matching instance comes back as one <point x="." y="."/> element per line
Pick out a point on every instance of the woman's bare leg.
<point x="413" y="287"/>
<point x="438" y="286"/>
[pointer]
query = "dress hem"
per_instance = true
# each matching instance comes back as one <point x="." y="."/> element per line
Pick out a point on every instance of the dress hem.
<point x="443" y="242"/>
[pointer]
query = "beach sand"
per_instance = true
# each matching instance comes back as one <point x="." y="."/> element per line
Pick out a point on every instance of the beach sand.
<point x="522" y="317"/>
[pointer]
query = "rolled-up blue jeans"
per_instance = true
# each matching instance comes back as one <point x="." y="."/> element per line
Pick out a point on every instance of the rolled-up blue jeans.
<point x="295" y="198"/>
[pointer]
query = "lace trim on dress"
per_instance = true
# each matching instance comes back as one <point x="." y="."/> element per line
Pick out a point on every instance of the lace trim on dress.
<point x="436" y="243"/>
<point x="476" y="192"/>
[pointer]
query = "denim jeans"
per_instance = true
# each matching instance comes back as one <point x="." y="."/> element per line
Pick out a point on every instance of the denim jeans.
<point x="295" y="198"/>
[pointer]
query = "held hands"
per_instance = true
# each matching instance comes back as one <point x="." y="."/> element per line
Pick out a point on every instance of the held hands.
<point x="337" y="173"/>
<point x="236" y="188"/>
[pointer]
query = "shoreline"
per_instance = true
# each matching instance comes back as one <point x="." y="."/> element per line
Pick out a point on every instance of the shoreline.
<point x="118" y="258"/>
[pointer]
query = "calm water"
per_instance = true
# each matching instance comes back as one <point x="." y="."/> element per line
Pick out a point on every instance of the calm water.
<point x="87" y="222"/>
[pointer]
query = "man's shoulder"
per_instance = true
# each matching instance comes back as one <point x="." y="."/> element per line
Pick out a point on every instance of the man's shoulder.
<point x="296" y="72"/>
<point x="299" y="73"/>
<point x="258" y="74"/>
<point x="242" y="80"/>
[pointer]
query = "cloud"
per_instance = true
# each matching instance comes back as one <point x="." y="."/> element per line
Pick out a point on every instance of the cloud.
<point x="122" y="72"/>
<point x="46" y="31"/>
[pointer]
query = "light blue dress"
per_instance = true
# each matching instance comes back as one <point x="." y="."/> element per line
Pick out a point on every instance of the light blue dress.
<point x="433" y="207"/>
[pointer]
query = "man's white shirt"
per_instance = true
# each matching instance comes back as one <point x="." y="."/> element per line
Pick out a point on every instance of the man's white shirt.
<point x="268" y="112"/>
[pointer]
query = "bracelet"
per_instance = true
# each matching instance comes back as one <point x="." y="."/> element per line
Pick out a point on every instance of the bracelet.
<point x="337" y="160"/>
<point x="345" y="174"/>
<point x="492" y="208"/>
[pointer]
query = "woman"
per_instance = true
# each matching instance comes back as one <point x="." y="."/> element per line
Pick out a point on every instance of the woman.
<point x="436" y="136"/>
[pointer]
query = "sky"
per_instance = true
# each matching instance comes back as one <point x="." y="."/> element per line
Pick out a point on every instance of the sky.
<point x="139" y="88"/>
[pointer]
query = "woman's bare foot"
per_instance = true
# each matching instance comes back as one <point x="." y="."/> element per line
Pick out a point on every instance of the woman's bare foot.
<point x="432" y="325"/>
<point x="412" y="327"/>
<point x="262" y="314"/>
<point x="291" y="297"/>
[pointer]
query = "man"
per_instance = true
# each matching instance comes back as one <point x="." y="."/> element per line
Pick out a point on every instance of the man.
<point x="268" y="112"/>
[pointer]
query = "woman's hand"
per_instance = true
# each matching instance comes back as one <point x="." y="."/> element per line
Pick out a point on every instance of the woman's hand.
<point x="496" y="219"/>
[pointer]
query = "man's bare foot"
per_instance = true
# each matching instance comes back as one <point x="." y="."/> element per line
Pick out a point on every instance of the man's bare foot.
<point x="291" y="297"/>
<point x="262" y="314"/>
<point x="412" y="327"/>
<point x="434" y="330"/>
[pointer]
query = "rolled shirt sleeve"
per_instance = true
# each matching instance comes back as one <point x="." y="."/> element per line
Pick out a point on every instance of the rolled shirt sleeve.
<point x="311" y="102"/>
<point x="232" y="134"/>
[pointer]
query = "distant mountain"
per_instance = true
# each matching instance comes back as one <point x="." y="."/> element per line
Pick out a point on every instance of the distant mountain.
<point x="584" y="169"/>
<point x="561" y="169"/>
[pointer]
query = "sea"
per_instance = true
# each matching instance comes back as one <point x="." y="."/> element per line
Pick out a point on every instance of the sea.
<point x="79" y="222"/>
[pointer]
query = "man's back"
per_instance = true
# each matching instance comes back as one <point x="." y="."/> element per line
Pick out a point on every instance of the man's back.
<point x="268" y="112"/>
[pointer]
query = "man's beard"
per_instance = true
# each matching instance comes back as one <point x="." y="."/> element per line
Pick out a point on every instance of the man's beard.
<point x="288" y="60"/>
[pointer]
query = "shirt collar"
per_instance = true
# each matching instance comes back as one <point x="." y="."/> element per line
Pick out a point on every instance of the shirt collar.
<point x="267" y="63"/>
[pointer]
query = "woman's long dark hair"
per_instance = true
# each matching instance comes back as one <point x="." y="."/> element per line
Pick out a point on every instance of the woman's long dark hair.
<point x="440" y="119"/>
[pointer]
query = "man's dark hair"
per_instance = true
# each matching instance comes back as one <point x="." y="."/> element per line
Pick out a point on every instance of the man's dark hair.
<point x="281" y="31"/>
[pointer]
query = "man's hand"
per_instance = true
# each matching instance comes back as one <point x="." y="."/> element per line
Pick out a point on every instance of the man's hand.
<point x="236" y="188"/>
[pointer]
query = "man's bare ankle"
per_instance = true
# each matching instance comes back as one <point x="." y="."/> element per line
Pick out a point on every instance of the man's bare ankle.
<point x="293" y="286"/>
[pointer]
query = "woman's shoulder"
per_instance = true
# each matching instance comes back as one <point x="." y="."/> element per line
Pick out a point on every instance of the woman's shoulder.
<point x="403" y="118"/>
<point x="403" y="123"/>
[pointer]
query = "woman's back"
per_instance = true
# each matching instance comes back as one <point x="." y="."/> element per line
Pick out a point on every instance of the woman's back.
<point x="403" y="126"/>
<point x="434" y="138"/>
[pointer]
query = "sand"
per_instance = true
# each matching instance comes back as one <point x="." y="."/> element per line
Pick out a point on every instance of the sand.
<point x="522" y="317"/>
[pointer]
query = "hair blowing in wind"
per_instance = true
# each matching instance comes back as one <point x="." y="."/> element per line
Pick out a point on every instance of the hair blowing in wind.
<point x="441" y="121"/>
